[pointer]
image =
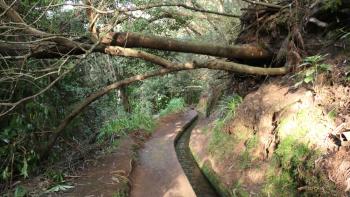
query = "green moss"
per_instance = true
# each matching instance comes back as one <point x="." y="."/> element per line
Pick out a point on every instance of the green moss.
<point x="215" y="181"/>
<point x="291" y="167"/>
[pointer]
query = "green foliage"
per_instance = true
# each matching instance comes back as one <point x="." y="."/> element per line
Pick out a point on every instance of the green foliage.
<point x="126" y="123"/>
<point x="221" y="142"/>
<point x="293" y="162"/>
<point x="17" y="159"/>
<point x="20" y="192"/>
<point x="27" y="128"/>
<point x="58" y="183"/>
<point x="332" y="5"/>
<point x="315" y="67"/>
<point x="289" y="157"/>
<point x="174" y="105"/>
<point x="56" y="176"/>
<point x="58" y="188"/>
<point x="228" y="106"/>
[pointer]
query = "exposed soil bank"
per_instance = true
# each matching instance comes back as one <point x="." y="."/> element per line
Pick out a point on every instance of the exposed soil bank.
<point x="199" y="182"/>
<point x="281" y="142"/>
<point x="158" y="171"/>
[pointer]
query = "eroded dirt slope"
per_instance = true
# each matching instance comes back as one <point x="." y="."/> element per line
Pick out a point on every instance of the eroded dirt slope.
<point x="280" y="137"/>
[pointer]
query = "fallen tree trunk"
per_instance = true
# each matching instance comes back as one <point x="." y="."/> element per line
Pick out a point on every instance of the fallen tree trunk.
<point x="56" y="47"/>
<point x="132" y="40"/>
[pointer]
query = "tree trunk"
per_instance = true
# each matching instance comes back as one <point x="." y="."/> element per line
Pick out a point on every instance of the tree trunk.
<point x="125" y="99"/>
<point x="131" y="40"/>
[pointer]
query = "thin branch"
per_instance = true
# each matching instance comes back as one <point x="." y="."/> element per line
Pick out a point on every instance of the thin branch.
<point x="8" y="8"/>
<point x="14" y="105"/>
<point x="146" y="7"/>
<point x="269" y="5"/>
<point x="15" y="17"/>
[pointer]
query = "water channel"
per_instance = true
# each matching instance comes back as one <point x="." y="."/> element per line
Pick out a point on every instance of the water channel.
<point x="199" y="182"/>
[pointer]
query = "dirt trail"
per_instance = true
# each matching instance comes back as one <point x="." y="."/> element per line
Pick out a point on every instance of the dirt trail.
<point x="109" y="173"/>
<point x="158" y="172"/>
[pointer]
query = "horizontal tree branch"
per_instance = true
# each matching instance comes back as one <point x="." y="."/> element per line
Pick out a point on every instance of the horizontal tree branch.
<point x="214" y="64"/>
<point x="132" y="40"/>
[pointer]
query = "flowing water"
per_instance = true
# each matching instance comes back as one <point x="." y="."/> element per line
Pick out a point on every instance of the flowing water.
<point x="199" y="182"/>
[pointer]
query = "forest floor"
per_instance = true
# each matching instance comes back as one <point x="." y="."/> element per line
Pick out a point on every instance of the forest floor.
<point x="158" y="171"/>
<point x="108" y="175"/>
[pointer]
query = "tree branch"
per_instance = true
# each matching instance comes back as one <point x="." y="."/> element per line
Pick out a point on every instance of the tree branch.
<point x="15" y="17"/>
<point x="146" y="7"/>
<point x="93" y="97"/>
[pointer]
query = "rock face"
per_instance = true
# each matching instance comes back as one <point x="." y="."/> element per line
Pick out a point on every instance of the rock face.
<point x="279" y="138"/>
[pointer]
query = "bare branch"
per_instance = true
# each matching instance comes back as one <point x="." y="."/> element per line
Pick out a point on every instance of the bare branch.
<point x="269" y="5"/>
<point x="14" y="105"/>
<point x="15" y="17"/>
<point x="146" y="7"/>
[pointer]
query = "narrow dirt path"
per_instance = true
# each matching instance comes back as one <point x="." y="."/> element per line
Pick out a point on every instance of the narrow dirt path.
<point x="107" y="174"/>
<point x="158" y="172"/>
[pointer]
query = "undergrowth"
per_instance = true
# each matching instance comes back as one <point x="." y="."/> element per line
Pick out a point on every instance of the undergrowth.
<point x="221" y="142"/>
<point x="315" y="67"/>
<point x="126" y="123"/>
<point x="174" y="105"/>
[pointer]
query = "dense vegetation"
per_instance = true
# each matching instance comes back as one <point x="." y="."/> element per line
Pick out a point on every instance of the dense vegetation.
<point x="72" y="83"/>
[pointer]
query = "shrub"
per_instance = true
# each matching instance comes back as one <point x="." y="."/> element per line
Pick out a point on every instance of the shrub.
<point x="174" y="105"/>
<point x="126" y="123"/>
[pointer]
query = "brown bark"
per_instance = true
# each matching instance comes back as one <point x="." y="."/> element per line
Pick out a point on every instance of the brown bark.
<point x="214" y="64"/>
<point x="56" y="47"/>
<point x="125" y="99"/>
<point x="131" y="40"/>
